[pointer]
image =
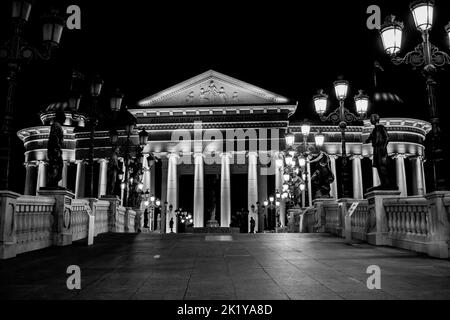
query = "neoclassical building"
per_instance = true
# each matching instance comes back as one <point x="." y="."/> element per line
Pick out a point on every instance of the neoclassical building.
<point x="215" y="141"/>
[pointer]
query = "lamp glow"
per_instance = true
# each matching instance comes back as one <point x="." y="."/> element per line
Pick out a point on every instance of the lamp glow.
<point x="277" y="203"/>
<point x="286" y="177"/>
<point x="289" y="160"/>
<point x="290" y="139"/>
<point x="158" y="202"/>
<point x="391" y="35"/>
<point x="341" y="89"/>
<point x="271" y="199"/>
<point x="152" y="198"/>
<point x="306" y="129"/>
<point x="266" y="203"/>
<point x="320" y="102"/>
<point x="302" y="161"/>
<point x="146" y="203"/>
<point x="361" y="102"/>
<point x="302" y="187"/>
<point x="319" y="139"/>
<point x="422" y="12"/>
<point x="447" y="29"/>
<point x="279" y="162"/>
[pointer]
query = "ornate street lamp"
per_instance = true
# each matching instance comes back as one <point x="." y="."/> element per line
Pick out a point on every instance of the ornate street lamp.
<point x="391" y="35"/>
<point x="427" y="58"/>
<point x="16" y="52"/>
<point x="343" y="117"/>
<point x="116" y="101"/>
<point x="290" y="139"/>
<point x="319" y="139"/>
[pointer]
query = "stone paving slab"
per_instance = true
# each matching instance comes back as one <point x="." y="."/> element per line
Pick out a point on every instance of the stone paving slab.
<point x="191" y="267"/>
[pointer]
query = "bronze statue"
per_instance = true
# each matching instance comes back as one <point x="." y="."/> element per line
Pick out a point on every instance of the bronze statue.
<point x="113" y="170"/>
<point x="322" y="177"/>
<point x="380" y="139"/>
<point x="54" y="150"/>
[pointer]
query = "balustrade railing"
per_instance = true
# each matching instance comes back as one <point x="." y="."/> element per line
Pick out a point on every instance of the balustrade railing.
<point x="32" y="223"/>
<point x="408" y="217"/>
<point x="79" y="219"/>
<point x="101" y="209"/>
<point x="361" y="221"/>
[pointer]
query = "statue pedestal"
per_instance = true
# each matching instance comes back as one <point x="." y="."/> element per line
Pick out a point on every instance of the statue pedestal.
<point x="212" y="224"/>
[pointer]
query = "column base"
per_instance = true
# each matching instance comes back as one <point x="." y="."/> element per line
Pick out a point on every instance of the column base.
<point x="212" y="224"/>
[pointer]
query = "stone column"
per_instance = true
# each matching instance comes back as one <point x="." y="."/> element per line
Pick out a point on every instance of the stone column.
<point x="146" y="180"/>
<point x="80" y="180"/>
<point x="334" y="189"/>
<point x="30" y="178"/>
<point x="279" y="187"/>
<point x="63" y="182"/>
<point x="357" y="177"/>
<point x="42" y="175"/>
<point x="418" y="183"/>
<point x="225" y="194"/>
<point x="308" y="179"/>
<point x="172" y="190"/>
<point x="122" y="191"/>
<point x="198" y="191"/>
<point x="400" y="174"/>
<point x="262" y="195"/>
<point x="252" y="186"/>
<point x="164" y="167"/>
<point x="375" y="177"/>
<point x="102" y="177"/>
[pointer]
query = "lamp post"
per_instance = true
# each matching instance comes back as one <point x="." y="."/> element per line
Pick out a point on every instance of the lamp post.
<point x="427" y="58"/>
<point x="153" y="203"/>
<point x="295" y="173"/>
<point x="16" y="52"/>
<point x="129" y="184"/>
<point x="271" y="203"/>
<point x="343" y="117"/>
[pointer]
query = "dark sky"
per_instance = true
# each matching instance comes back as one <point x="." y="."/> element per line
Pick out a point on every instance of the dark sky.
<point x="287" y="47"/>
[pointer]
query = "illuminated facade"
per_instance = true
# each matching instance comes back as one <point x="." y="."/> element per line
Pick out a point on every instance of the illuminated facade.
<point x="216" y="139"/>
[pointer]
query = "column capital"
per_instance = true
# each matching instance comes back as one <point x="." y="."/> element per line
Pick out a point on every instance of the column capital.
<point x="252" y="153"/>
<point x="333" y="156"/>
<point x="357" y="156"/>
<point x="417" y="157"/>
<point x="198" y="154"/>
<point x="399" y="156"/>
<point x="173" y="155"/>
<point x="80" y="161"/>
<point x="102" y="160"/>
<point x="30" y="164"/>
<point x="226" y="155"/>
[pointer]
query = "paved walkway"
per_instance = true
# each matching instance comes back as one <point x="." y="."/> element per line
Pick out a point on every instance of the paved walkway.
<point x="261" y="266"/>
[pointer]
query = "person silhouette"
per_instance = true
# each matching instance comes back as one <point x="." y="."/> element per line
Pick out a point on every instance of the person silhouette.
<point x="252" y="225"/>
<point x="171" y="225"/>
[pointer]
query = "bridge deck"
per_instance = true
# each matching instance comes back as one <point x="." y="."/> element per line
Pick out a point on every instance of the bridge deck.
<point x="237" y="266"/>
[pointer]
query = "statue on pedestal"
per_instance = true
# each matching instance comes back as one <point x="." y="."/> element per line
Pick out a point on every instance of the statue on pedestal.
<point x="54" y="150"/>
<point x="113" y="171"/>
<point x="380" y="139"/>
<point x="322" y="177"/>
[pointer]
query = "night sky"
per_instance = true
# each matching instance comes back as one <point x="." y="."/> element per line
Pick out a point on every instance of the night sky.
<point x="286" y="47"/>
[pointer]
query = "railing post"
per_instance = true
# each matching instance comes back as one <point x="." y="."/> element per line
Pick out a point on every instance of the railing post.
<point x="114" y="203"/>
<point x="62" y="235"/>
<point x="7" y="224"/>
<point x="439" y="224"/>
<point x="378" y="228"/>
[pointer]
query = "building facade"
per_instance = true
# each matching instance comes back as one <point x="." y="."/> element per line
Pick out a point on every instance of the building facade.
<point x="214" y="141"/>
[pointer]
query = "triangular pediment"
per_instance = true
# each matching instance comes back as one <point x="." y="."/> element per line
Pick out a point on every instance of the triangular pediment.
<point x="212" y="88"/>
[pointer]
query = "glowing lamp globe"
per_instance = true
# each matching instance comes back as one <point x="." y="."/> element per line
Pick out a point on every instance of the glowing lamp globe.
<point x="319" y="139"/>
<point x="391" y="35"/>
<point x="422" y="12"/>
<point x="361" y="103"/>
<point x="320" y="102"/>
<point x="341" y="89"/>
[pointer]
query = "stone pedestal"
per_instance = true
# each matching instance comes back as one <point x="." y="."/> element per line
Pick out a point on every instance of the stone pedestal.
<point x="114" y="203"/>
<point x="439" y="224"/>
<point x="320" y="205"/>
<point x="62" y="235"/>
<point x="378" y="228"/>
<point x="7" y="225"/>
<point x="212" y="224"/>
